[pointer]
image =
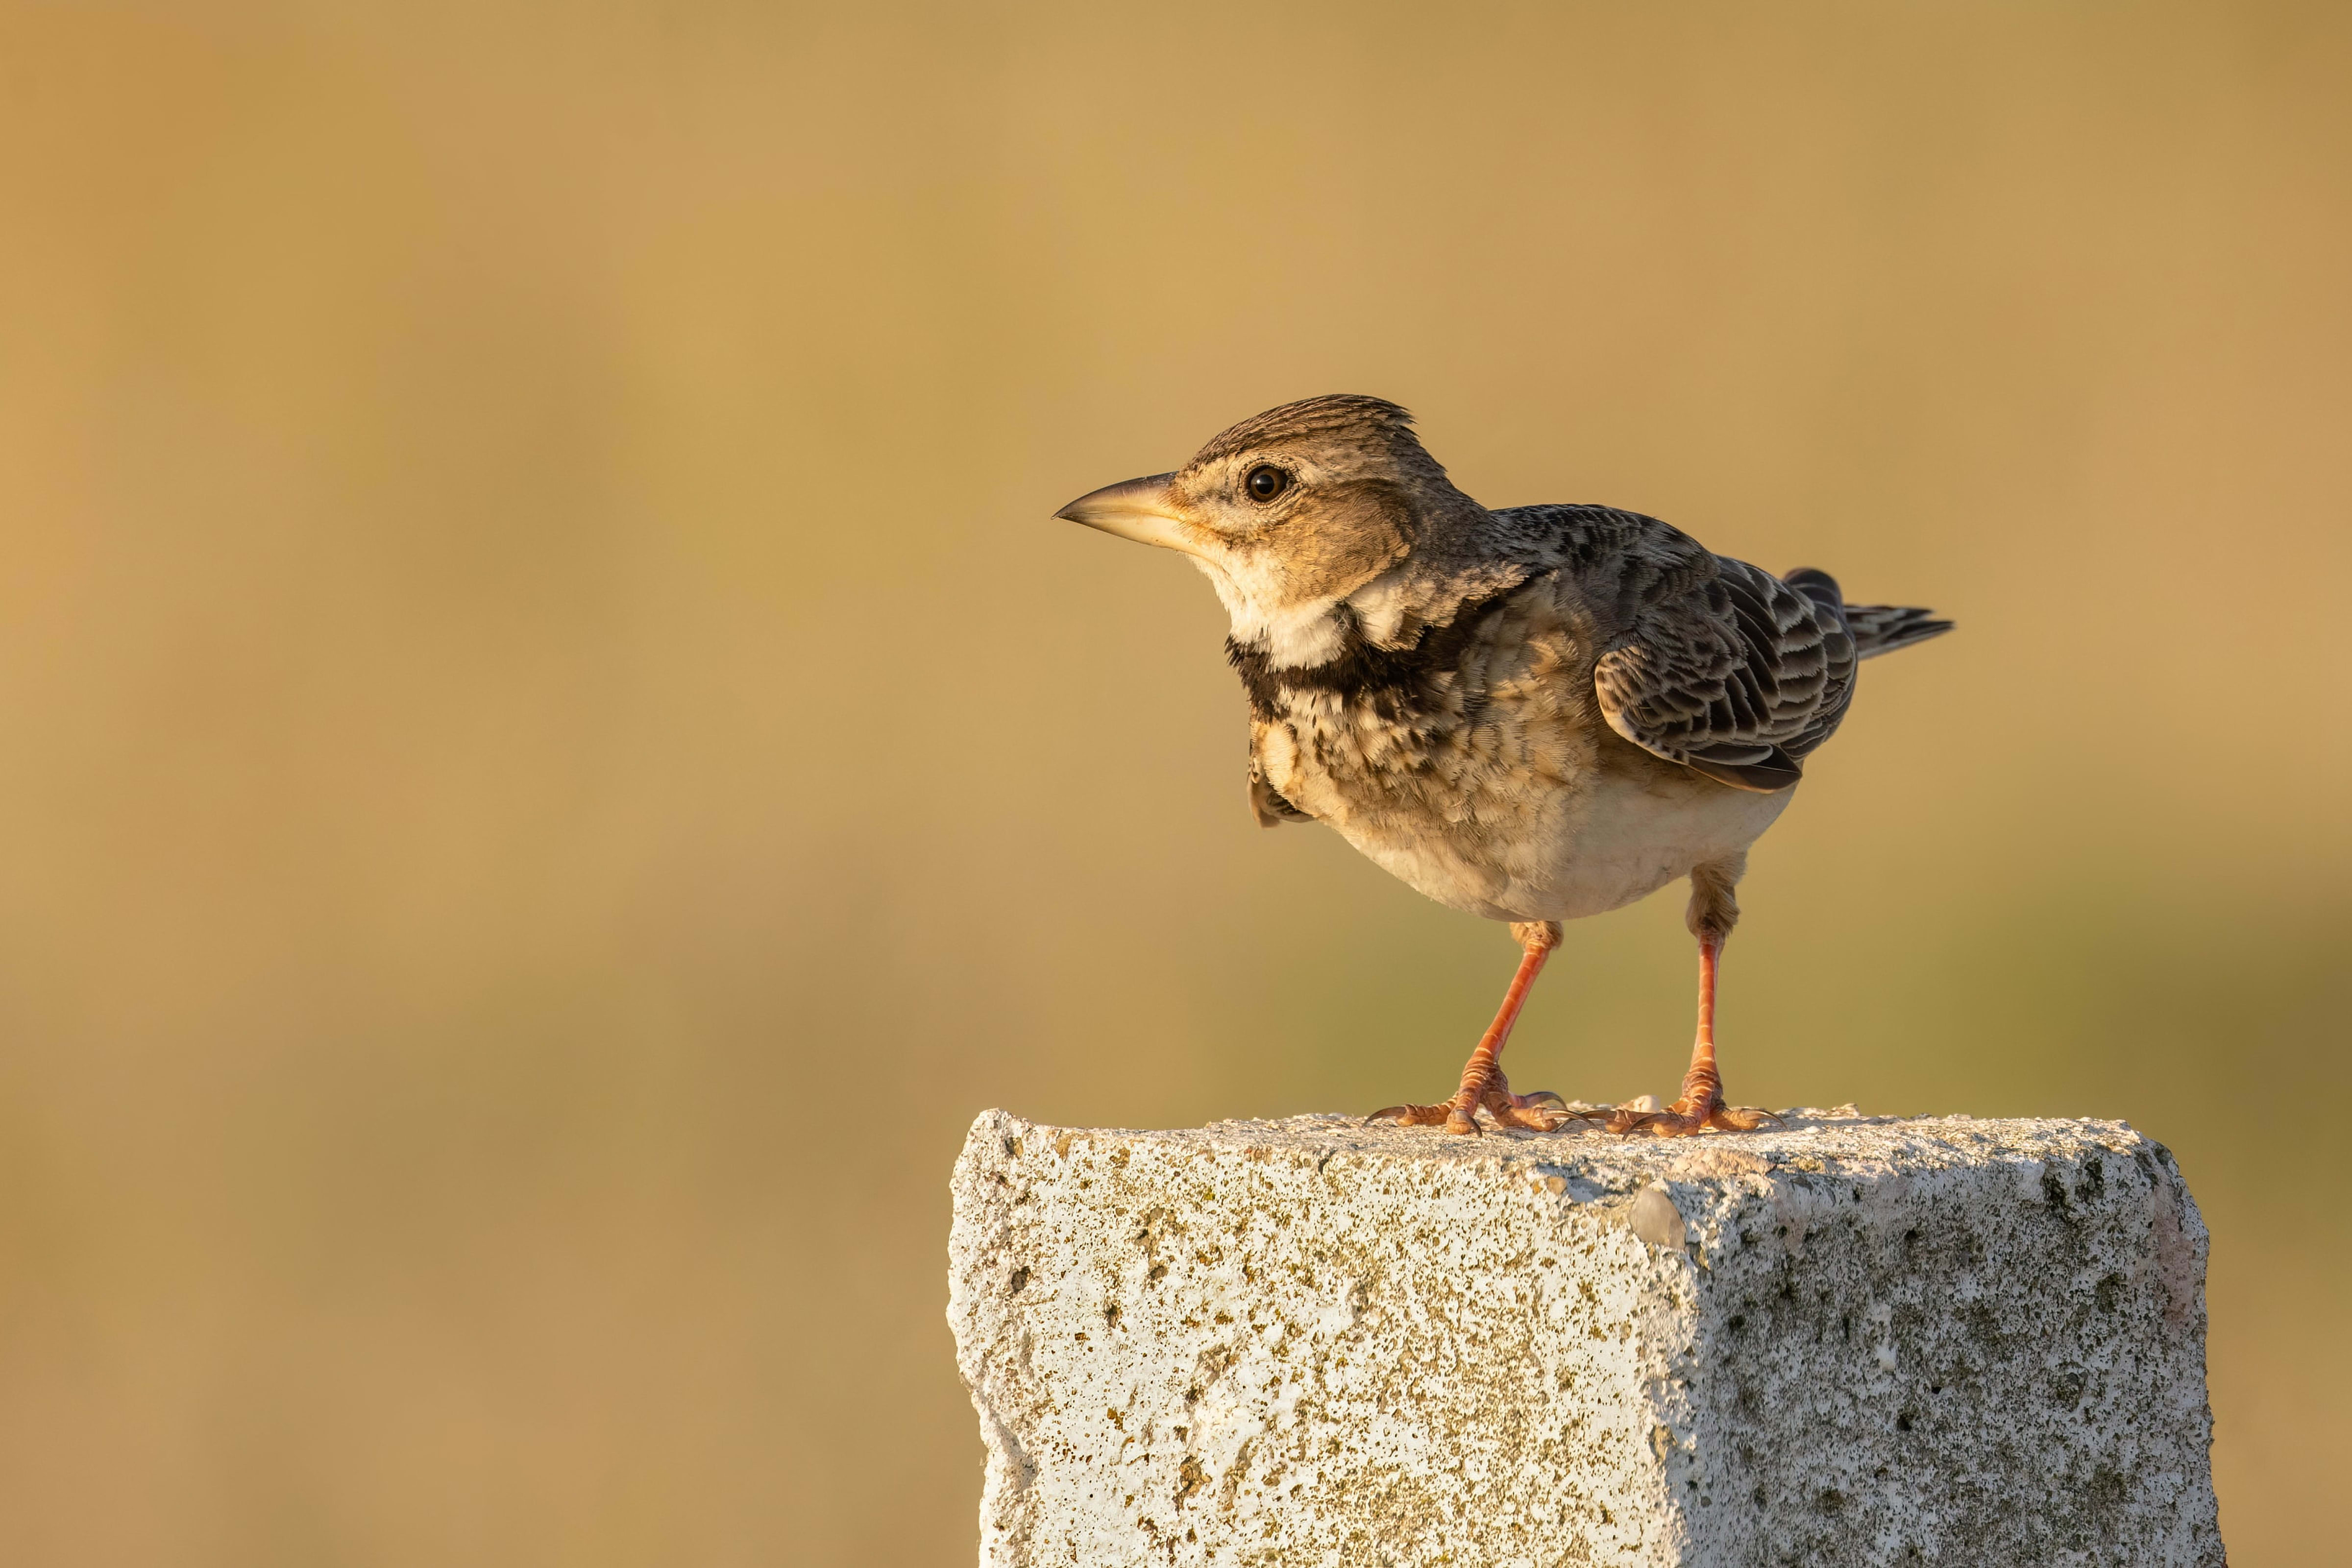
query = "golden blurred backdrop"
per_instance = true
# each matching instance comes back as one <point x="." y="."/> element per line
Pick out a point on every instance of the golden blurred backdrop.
<point x="555" y="757"/>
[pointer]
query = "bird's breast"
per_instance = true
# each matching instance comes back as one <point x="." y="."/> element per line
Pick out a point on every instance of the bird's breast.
<point x="1464" y="797"/>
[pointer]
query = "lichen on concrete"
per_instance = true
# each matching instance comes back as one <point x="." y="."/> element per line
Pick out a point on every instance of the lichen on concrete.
<point x="1851" y="1340"/>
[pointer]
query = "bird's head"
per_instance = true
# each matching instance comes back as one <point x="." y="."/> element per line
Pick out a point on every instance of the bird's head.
<point x="1292" y="509"/>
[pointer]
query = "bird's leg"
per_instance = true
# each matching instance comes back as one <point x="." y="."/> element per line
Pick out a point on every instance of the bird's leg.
<point x="1711" y="914"/>
<point x="1702" y="1105"/>
<point x="1482" y="1083"/>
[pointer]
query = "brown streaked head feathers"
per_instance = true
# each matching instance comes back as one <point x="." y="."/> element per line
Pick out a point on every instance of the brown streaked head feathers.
<point x="1345" y="491"/>
<point x="1373" y="427"/>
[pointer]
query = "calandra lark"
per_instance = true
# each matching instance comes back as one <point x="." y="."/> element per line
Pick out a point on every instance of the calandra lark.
<point x="1533" y="713"/>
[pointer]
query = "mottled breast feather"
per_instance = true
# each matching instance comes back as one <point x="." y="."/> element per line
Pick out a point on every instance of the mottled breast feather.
<point x="1456" y="758"/>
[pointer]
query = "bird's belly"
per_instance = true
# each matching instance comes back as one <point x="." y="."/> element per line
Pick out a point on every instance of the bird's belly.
<point x="1637" y="832"/>
<point x="1592" y="852"/>
<point x="1437" y="866"/>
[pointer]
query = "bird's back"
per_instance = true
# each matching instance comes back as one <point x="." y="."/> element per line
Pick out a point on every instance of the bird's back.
<point x="1705" y="660"/>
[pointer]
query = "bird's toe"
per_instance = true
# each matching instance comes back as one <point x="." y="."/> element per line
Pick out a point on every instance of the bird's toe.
<point x="1688" y="1117"/>
<point x="1411" y="1115"/>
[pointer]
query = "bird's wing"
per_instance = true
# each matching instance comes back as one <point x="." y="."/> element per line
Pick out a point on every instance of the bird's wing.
<point x="1720" y="666"/>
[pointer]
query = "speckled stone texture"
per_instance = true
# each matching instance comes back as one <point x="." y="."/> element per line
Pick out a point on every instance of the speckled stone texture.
<point x="1850" y="1341"/>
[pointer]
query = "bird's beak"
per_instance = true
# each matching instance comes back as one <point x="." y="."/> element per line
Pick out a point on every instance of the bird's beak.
<point x="1143" y="510"/>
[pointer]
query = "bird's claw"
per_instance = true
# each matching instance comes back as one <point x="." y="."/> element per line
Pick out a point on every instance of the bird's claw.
<point x="1690" y="1116"/>
<point x="1540" y="1112"/>
<point x="1410" y="1115"/>
<point x="1448" y="1115"/>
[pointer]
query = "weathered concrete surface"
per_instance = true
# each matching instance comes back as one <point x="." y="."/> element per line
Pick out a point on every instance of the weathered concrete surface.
<point x="1854" y="1340"/>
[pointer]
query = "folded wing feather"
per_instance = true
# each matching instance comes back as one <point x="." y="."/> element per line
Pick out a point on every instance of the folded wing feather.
<point x="1727" y="669"/>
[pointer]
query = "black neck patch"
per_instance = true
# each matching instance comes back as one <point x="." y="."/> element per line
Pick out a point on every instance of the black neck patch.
<point x="1392" y="682"/>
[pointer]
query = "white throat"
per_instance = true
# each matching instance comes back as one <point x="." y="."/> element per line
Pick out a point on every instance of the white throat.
<point x="1291" y="636"/>
<point x="1313" y="631"/>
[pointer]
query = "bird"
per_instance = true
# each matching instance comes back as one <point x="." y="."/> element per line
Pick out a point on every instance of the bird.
<point x="1533" y="713"/>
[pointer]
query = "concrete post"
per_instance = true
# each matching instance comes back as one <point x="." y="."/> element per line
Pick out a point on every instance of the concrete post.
<point x="1853" y="1341"/>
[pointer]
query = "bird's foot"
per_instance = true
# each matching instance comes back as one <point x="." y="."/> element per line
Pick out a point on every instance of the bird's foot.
<point x="1541" y="1111"/>
<point x="1693" y="1113"/>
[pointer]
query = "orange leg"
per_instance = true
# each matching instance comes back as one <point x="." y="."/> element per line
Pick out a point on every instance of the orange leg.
<point x="1482" y="1083"/>
<point x="1702" y="1105"/>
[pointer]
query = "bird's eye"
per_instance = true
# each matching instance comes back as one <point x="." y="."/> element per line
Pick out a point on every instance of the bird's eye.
<point x="1266" y="482"/>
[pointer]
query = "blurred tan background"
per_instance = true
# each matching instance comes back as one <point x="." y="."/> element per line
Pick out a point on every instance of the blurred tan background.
<point x="555" y="756"/>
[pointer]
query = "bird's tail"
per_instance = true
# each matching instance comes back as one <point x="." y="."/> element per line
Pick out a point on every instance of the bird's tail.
<point x="1876" y="628"/>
